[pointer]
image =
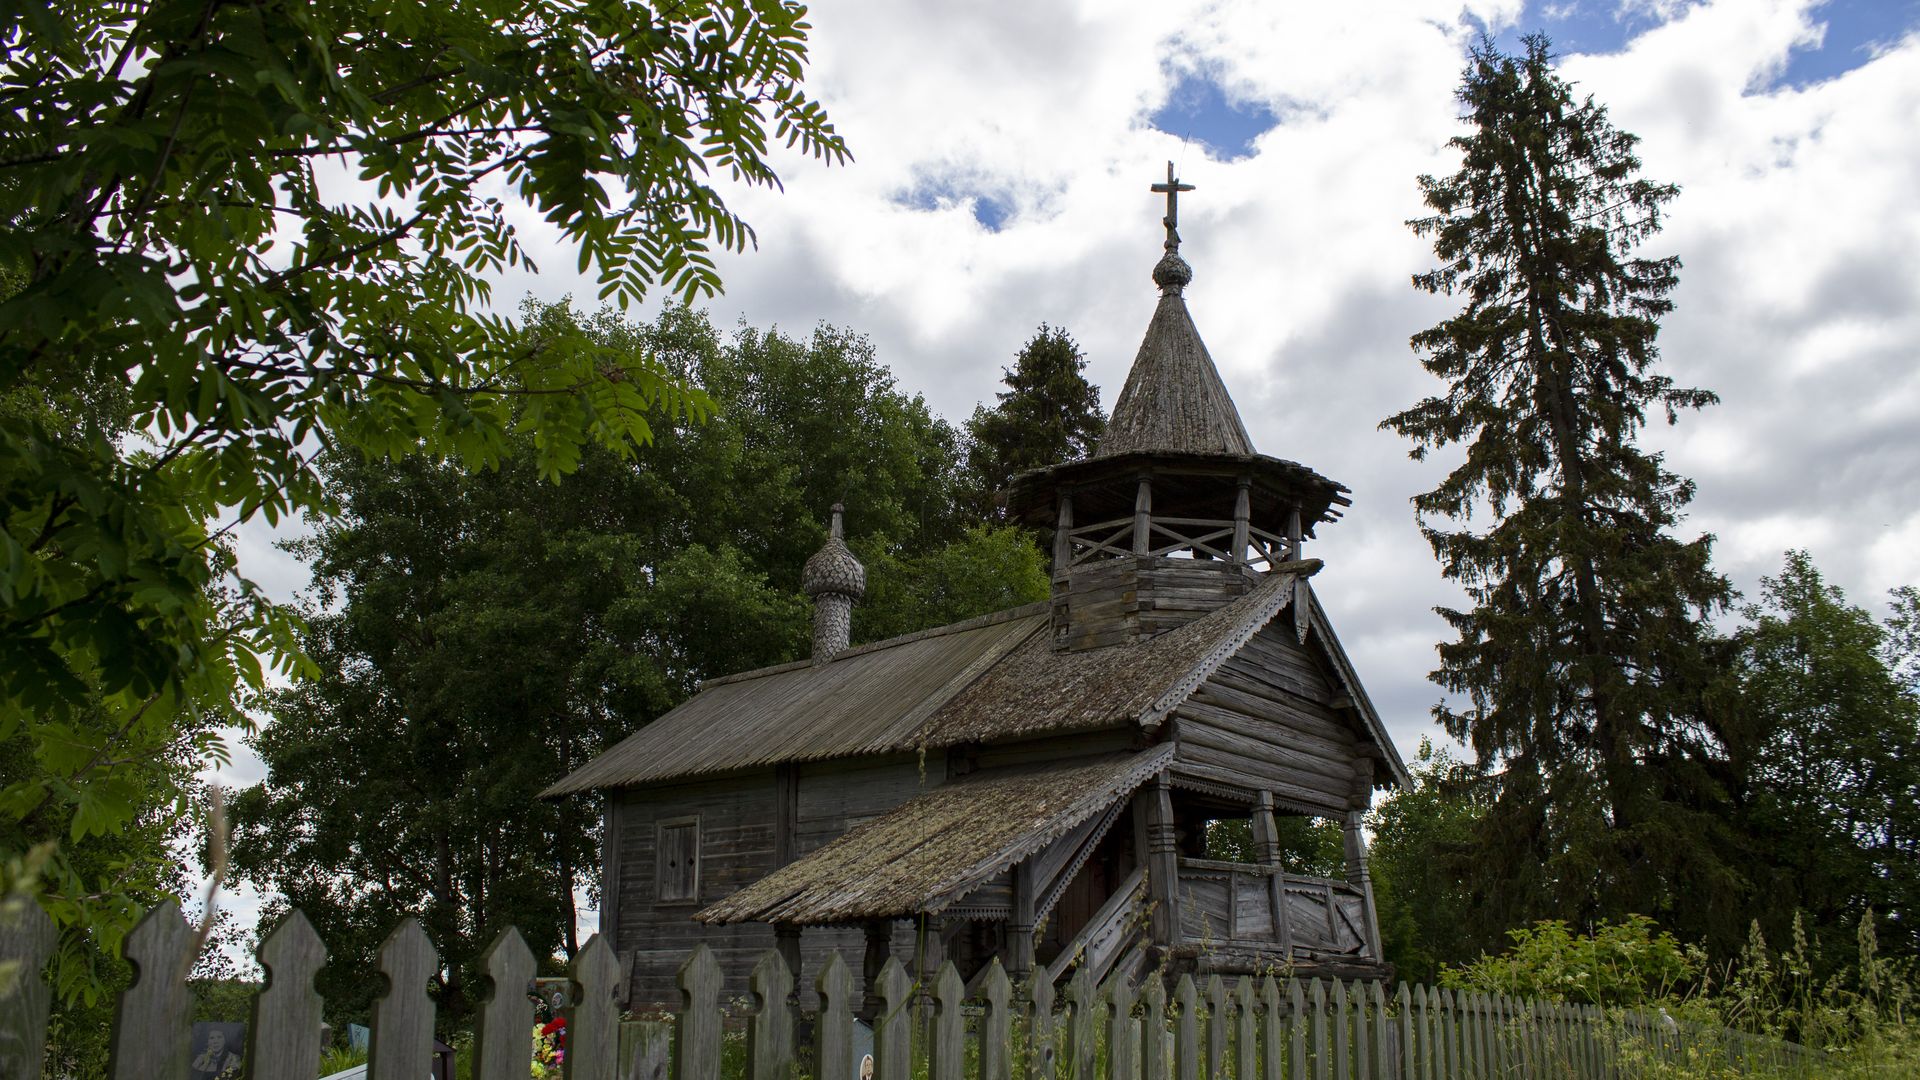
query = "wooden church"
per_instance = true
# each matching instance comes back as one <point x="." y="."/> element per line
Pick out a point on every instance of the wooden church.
<point x="1034" y="784"/>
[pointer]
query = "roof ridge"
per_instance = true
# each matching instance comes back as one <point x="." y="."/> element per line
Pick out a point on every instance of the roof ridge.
<point x="992" y="618"/>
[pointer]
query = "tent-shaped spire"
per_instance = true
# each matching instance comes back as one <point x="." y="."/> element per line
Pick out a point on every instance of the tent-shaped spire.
<point x="1173" y="399"/>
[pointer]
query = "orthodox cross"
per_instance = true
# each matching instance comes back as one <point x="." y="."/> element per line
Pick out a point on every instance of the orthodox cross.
<point x="1172" y="188"/>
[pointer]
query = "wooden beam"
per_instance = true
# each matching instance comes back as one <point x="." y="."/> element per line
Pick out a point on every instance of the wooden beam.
<point x="1020" y="926"/>
<point x="1143" y="517"/>
<point x="1154" y="805"/>
<point x="1242" y="514"/>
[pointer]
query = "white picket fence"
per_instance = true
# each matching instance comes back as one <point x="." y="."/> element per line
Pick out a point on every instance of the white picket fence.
<point x="1266" y="1029"/>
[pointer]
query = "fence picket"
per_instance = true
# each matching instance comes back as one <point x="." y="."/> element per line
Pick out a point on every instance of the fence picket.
<point x="402" y="1043"/>
<point x="27" y="938"/>
<point x="283" y="1041"/>
<point x="1082" y="999"/>
<point x="1362" y="1033"/>
<point x="1342" y="1033"/>
<point x="1357" y="1029"/>
<point x="1403" y="1001"/>
<point x="1296" y="1030"/>
<point x="1322" y="1051"/>
<point x="1186" y="1030"/>
<point x="1123" y="1031"/>
<point x="593" y="1020"/>
<point x="996" y="1024"/>
<point x="1041" y="1063"/>
<point x="1217" y="1008"/>
<point x="833" y="1028"/>
<point x="1270" y="1052"/>
<point x="502" y="1041"/>
<point x="948" y="1057"/>
<point x="770" y="1031"/>
<point x="1154" y="1047"/>
<point x="1245" y="1013"/>
<point x="1382" y="1031"/>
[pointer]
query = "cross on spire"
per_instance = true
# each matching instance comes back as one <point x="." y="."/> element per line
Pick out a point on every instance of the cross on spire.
<point x="1173" y="187"/>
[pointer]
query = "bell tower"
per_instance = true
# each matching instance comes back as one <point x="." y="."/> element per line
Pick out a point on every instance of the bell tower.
<point x="1174" y="514"/>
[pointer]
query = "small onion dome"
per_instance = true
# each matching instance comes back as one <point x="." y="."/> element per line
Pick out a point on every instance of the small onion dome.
<point x="1172" y="273"/>
<point x="833" y="569"/>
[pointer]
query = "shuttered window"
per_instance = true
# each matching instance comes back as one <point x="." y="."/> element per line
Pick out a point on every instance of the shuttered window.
<point x="678" y="876"/>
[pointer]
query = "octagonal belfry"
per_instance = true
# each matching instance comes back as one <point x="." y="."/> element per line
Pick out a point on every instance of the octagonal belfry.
<point x="1174" y="514"/>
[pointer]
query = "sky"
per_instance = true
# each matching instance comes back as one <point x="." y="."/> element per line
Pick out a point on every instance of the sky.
<point x="1002" y="156"/>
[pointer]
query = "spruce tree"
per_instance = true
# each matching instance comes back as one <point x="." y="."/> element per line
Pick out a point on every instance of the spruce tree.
<point x="1580" y="674"/>
<point x="1048" y="414"/>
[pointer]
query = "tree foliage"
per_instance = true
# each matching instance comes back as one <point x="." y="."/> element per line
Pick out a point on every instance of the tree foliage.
<point x="258" y="231"/>
<point x="1426" y="884"/>
<point x="1048" y="414"/>
<point x="479" y="635"/>
<point x="1581" y="669"/>
<point x="1828" y="762"/>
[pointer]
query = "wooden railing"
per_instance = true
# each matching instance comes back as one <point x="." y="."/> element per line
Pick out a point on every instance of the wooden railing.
<point x="1226" y="903"/>
<point x="1122" y="1030"/>
<point x="1113" y="934"/>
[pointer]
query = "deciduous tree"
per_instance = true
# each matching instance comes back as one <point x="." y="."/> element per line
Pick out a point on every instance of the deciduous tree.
<point x="270" y="228"/>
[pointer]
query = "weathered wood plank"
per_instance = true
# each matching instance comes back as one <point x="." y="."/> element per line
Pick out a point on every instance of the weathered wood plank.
<point x="150" y="1025"/>
<point x="1272" y="1052"/>
<point x="947" y="1059"/>
<point x="283" y="1039"/>
<point x="1296" y="1031"/>
<point x="1186" y="1030"/>
<point x="770" y="1031"/>
<point x="1123" y="1031"/>
<point x="1246" y="1015"/>
<point x="27" y="938"/>
<point x="696" y="1031"/>
<point x="1218" y="728"/>
<point x="996" y="1023"/>
<point x="1362" y="1034"/>
<point x="503" y="1050"/>
<point x="892" y="1022"/>
<point x="593" y="1020"/>
<point x="1233" y="772"/>
<point x="1219" y="1017"/>
<point x="1042" y="1056"/>
<point x="1322" y="1036"/>
<point x="401" y="1047"/>
<point x="1382" y="1031"/>
<point x="1155" y="1048"/>
<point x="1342" y="1031"/>
<point x="833" y="1029"/>
<point x="1082" y="998"/>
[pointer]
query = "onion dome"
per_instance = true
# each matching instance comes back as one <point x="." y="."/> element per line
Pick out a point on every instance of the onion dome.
<point x="833" y="569"/>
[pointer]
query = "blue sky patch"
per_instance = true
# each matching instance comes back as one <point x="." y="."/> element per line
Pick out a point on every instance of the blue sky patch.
<point x="1198" y="110"/>
<point x="932" y="191"/>
<point x="1855" y="28"/>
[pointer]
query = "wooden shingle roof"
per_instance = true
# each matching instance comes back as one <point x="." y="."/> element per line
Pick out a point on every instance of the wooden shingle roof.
<point x="932" y="851"/>
<point x="1173" y="400"/>
<point x="989" y="679"/>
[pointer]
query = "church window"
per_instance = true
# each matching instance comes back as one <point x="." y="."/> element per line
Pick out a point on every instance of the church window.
<point x="678" y="870"/>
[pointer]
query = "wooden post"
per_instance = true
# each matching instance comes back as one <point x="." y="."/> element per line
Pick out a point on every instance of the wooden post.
<point x="609" y="871"/>
<point x="1217" y="1008"/>
<point x="1186" y="1030"/>
<point x="1242" y="519"/>
<point x="879" y="949"/>
<point x="1020" y="926"/>
<point x="1243" y="1028"/>
<point x="1143" y="517"/>
<point x="1359" y="878"/>
<point x="1296" y="535"/>
<point x="786" y="942"/>
<point x="947" y="1059"/>
<point x="1063" y="534"/>
<point x="1154" y="804"/>
<point x="1266" y="834"/>
<point x="1123" y="1032"/>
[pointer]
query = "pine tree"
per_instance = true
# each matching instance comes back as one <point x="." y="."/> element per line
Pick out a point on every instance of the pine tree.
<point x="1582" y="668"/>
<point x="1049" y="413"/>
